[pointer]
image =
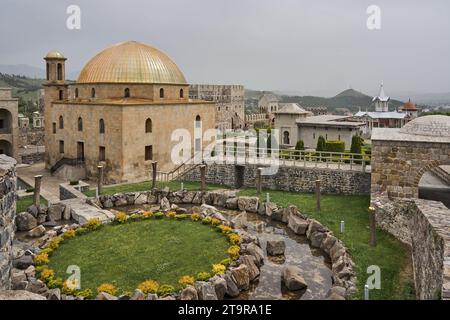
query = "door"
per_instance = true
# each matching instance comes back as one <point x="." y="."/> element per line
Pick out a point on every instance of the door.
<point x="80" y="150"/>
<point x="239" y="176"/>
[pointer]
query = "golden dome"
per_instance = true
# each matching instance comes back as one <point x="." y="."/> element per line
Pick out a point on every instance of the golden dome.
<point x="54" y="55"/>
<point x="131" y="62"/>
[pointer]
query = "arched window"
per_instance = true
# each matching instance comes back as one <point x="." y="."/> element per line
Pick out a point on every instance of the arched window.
<point x="80" y="124"/>
<point x="61" y="122"/>
<point x="181" y="93"/>
<point x="198" y="121"/>
<point x="286" y="137"/>
<point x="101" y="125"/>
<point x="60" y="75"/>
<point x="93" y="93"/>
<point x="127" y="93"/>
<point x="148" y="125"/>
<point x="61" y="95"/>
<point x="76" y="92"/>
<point x="161" y="93"/>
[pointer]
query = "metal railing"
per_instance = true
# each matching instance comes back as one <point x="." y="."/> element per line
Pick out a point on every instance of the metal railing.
<point x="66" y="161"/>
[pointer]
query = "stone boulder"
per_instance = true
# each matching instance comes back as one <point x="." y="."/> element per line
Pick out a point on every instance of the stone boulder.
<point x="53" y="294"/>
<point x="257" y="253"/>
<point x="250" y="262"/>
<point x="232" y="289"/>
<point x="231" y="203"/>
<point x="314" y="226"/>
<point x="19" y="295"/>
<point x="18" y="279"/>
<point x="275" y="247"/>
<point x="33" y="210"/>
<point x="23" y="262"/>
<point x="138" y="295"/>
<point x="279" y="215"/>
<point x="37" y="231"/>
<point x="240" y="276"/>
<point x="297" y="224"/>
<point x="121" y="201"/>
<point x="140" y="198"/>
<point x="55" y="211"/>
<point x="189" y="293"/>
<point x="292" y="278"/>
<point x="205" y="290"/>
<point x="316" y="239"/>
<point x="220" y="286"/>
<point x="165" y="204"/>
<point x="106" y="296"/>
<point x="249" y="204"/>
<point x="25" y="221"/>
<point x="328" y="242"/>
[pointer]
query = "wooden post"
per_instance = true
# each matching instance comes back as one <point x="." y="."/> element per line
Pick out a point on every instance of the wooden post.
<point x="202" y="178"/>
<point x="100" y="180"/>
<point x="373" y="227"/>
<point x="37" y="190"/>
<point x="154" y="167"/>
<point x="318" y="195"/>
<point x="258" y="180"/>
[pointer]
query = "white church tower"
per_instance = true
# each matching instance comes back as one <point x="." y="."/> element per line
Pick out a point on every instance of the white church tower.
<point x="381" y="101"/>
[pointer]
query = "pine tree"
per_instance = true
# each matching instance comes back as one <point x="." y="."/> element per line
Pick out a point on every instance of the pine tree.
<point x="320" y="144"/>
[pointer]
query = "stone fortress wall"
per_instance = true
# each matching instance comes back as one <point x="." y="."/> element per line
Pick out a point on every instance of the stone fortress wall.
<point x="296" y="179"/>
<point x="8" y="181"/>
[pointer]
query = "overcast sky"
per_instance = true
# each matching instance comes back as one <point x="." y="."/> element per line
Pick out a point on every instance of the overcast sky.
<point x="311" y="47"/>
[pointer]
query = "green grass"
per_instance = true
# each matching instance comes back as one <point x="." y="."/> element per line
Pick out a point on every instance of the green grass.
<point x="390" y="255"/>
<point x="147" y="185"/>
<point x="128" y="254"/>
<point x="23" y="203"/>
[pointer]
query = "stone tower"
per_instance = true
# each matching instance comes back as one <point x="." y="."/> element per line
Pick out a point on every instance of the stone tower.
<point x="55" y="89"/>
<point x="381" y="101"/>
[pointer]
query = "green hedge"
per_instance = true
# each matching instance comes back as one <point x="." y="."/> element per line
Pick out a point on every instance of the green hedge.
<point x="334" y="146"/>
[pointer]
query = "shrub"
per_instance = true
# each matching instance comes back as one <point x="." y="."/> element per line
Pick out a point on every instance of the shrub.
<point x="224" y="229"/>
<point x="40" y="268"/>
<point x="73" y="182"/>
<point x="203" y="276"/>
<point x="186" y="280"/>
<point x="55" y="243"/>
<point x="171" y="214"/>
<point x="181" y="216"/>
<point x="86" y="293"/>
<point x="149" y="286"/>
<point x="215" y="221"/>
<point x="218" y="268"/>
<point x="300" y="145"/>
<point x="47" y="275"/>
<point x="234" y="252"/>
<point x="136" y="217"/>
<point x="121" y="217"/>
<point x="195" y="216"/>
<point x="147" y="214"/>
<point x="320" y="144"/>
<point x="93" y="224"/>
<point x="55" y="283"/>
<point x="207" y="220"/>
<point x="41" y="258"/>
<point x="356" y="144"/>
<point x="69" y="234"/>
<point x="159" y="215"/>
<point x="107" y="288"/>
<point x="334" y="146"/>
<point x="165" y="290"/>
<point x="81" y="231"/>
<point x="68" y="287"/>
<point x="226" y="262"/>
<point x="234" y="239"/>
<point x="48" y="251"/>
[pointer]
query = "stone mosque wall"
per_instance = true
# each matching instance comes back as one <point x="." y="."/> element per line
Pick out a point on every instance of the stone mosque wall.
<point x="7" y="213"/>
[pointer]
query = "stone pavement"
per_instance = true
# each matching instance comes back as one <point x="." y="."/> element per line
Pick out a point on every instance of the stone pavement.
<point x="50" y="184"/>
<point x="82" y="211"/>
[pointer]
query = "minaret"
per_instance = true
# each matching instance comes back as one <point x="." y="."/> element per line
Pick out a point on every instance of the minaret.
<point x="381" y="101"/>
<point x="55" y="89"/>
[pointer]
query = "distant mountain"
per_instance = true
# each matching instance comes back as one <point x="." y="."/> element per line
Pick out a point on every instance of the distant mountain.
<point x="348" y="99"/>
<point x="23" y="70"/>
<point x="26" y="89"/>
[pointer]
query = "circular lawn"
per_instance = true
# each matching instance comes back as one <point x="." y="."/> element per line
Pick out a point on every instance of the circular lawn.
<point x="127" y="254"/>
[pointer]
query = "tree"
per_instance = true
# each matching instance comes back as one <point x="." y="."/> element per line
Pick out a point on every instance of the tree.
<point x="320" y="144"/>
<point x="356" y="144"/>
<point x="300" y="145"/>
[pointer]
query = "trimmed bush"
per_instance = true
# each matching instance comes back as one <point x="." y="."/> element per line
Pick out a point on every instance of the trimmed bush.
<point x="334" y="146"/>
<point x="320" y="144"/>
<point x="300" y="145"/>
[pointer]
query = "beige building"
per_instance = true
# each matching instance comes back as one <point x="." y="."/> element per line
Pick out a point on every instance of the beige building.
<point x="38" y="120"/>
<point x="9" y="123"/>
<point x="285" y="121"/>
<point x="229" y="100"/>
<point x="24" y="121"/>
<point x="120" y="113"/>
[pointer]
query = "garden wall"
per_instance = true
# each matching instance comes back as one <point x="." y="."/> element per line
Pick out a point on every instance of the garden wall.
<point x="297" y="179"/>
<point x="424" y="225"/>
<point x="8" y="181"/>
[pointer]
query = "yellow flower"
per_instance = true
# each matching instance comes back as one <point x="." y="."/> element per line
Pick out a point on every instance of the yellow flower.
<point x="149" y="286"/>
<point x="148" y="214"/>
<point x="186" y="280"/>
<point x="195" y="217"/>
<point x="121" y="217"/>
<point x="41" y="258"/>
<point x="171" y="214"/>
<point x="107" y="288"/>
<point x="93" y="224"/>
<point x="218" y="268"/>
<point x="234" y="239"/>
<point x="215" y="221"/>
<point x="233" y="252"/>
<point x="69" y="234"/>
<point x="47" y="274"/>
